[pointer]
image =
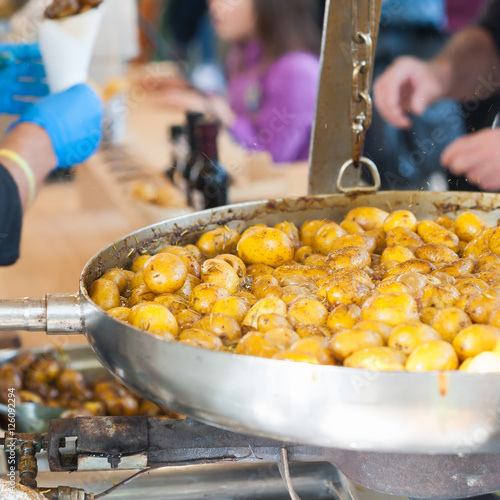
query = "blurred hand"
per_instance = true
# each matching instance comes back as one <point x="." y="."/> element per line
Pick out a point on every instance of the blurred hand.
<point x="73" y="121"/>
<point x="409" y="85"/>
<point x="213" y="106"/>
<point x="22" y="77"/>
<point x="477" y="157"/>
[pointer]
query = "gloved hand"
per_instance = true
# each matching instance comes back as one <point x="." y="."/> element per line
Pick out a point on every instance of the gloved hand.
<point x="73" y="121"/>
<point x="21" y="76"/>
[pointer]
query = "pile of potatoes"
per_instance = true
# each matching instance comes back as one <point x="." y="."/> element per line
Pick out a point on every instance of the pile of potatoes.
<point x="379" y="290"/>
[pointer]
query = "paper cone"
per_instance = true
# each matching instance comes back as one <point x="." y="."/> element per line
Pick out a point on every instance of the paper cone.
<point x="67" y="45"/>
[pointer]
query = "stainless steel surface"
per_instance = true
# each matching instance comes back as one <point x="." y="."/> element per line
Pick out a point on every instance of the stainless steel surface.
<point x="426" y="425"/>
<point x="31" y="417"/>
<point x="54" y="314"/>
<point x="313" y="481"/>
<point x="353" y="409"/>
<point x="372" y="168"/>
<point x="332" y="141"/>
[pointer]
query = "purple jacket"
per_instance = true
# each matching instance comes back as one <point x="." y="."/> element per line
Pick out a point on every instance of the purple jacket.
<point x="274" y="104"/>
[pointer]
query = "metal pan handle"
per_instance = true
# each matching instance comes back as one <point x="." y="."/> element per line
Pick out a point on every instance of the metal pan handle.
<point x="54" y="314"/>
<point x="359" y="189"/>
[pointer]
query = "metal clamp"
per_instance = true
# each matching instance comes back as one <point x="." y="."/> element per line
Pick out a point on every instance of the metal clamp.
<point x="359" y="189"/>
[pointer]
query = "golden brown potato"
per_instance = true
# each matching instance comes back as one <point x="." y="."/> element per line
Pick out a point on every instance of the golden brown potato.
<point x="237" y="264"/>
<point x="400" y="218"/>
<point x="348" y="258"/>
<point x="236" y="307"/>
<point x="457" y="268"/>
<point x="475" y="339"/>
<point x="352" y="227"/>
<point x="204" y="296"/>
<point x="346" y="291"/>
<point x="324" y="239"/>
<point x="164" y="273"/>
<point x="186" y="256"/>
<point x="266" y="246"/>
<point x="368" y="217"/>
<point x="365" y="241"/>
<point x="217" y="241"/>
<point x="436" y="355"/>
<point x="312" y="273"/>
<point x="121" y="313"/>
<point x="378" y="358"/>
<point x="304" y="331"/>
<point x="139" y="262"/>
<point x="380" y="239"/>
<point x="71" y="381"/>
<point x="185" y="291"/>
<point x="200" y="338"/>
<point x="225" y="327"/>
<point x="282" y="337"/>
<point x="309" y="228"/>
<point x="307" y="312"/>
<point x="397" y="254"/>
<point x="289" y="228"/>
<point x="445" y="221"/>
<point x="264" y="306"/>
<point x="383" y="329"/>
<point x="256" y="270"/>
<point x="343" y="316"/>
<point x="172" y="302"/>
<point x="494" y="241"/>
<point x="431" y="232"/>
<point x="481" y="304"/>
<point x="141" y="294"/>
<point x="403" y="237"/>
<point x="468" y="286"/>
<point x="197" y="254"/>
<point x="186" y="319"/>
<point x="118" y="276"/>
<point x="105" y="294"/>
<point x="468" y="226"/>
<point x="316" y="348"/>
<point x="219" y="272"/>
<point x="347" y="342"/>
<point x="392" y="286"/>
<point x="439" y="296"/>
<point x="390" y="308"/>
<point x="479" y="245"/>
<point x="154" y="318"/>
<point x="255" y="344"/>
<point x="406" y="336"/>
<point x="413" y="265"/>
<point x="272" y="321"/>
<point x="436" y="253"/>
<point x="449" y="321"/>
<point x="302" y="253"/>
<point x="249" y="298"/>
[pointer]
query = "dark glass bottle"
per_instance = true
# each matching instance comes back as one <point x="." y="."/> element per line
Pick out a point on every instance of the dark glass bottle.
<point x="192" y="119"/>
<point x="177" y="162"/>
<point x="210" y="177"/>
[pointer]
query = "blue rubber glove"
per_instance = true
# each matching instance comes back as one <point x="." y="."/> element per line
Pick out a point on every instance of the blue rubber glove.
<point x="73" y="120"/>
<point x="22" y="77"/>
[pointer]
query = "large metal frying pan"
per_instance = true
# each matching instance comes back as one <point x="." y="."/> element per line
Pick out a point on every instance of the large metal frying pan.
<point x="318" y="405"/>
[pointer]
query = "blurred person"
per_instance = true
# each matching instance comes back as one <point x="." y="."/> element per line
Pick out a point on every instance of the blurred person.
<point x="272" y="71"/>
<point x="468" y="68"/>
<point x="52" y="131"/>
<point x="405" y="157"/>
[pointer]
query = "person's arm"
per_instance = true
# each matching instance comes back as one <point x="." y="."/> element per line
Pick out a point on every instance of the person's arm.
<point x="33" y="144"/>
<point x="469" y="65"/>
<point x="284" y="122"/>
<point x="60" y="130"/>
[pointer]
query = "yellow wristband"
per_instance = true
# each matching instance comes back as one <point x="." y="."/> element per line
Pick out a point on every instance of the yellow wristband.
<point x="23" y="165"/>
